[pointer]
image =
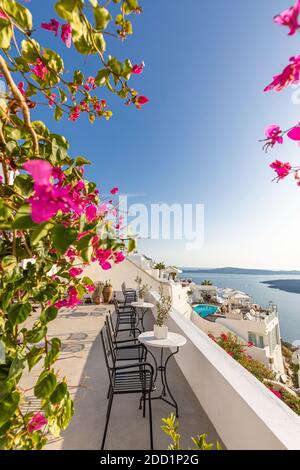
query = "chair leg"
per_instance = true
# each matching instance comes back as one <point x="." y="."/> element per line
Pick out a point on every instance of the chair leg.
<point x="144" y="405"/>
<point x="150" y="422"/>
<point x="108" y="393"/>
<point x="107" y="419"/>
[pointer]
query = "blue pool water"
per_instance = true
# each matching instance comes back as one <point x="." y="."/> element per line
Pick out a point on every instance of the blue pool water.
<point x="205" y="310"/>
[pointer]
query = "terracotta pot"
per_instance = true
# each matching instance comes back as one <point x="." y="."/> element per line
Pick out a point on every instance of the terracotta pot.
<point x="97" y="300"/>
<point x="107" y="294"/>
<point x="161" y="332"/>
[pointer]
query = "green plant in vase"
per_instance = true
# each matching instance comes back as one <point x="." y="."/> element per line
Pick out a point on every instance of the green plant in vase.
<point x="163" y="308"/>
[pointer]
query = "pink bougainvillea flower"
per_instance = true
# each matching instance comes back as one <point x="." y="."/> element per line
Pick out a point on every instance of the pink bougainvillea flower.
<point x="21" y="88"/>
<point x="119" y="257"/>
<point x="71" y="254"/>
<point x="114" y="191"/>
<point x="1" y="179"/>
<point x="289" y="75"/>
<point x="37" y="422"/>
<point x="80" y="185"/>
<point x="273" y="133"/>
<point x="52" y="99"/>
<point x="91" y="212"/>
<point x="71" y="301"/>
<point x="282" y="169"/>
<point x="74" y="114"/>
<point x="90" y="84"/>
<point x="250" y="344"/>
<point x="289" y="18"/>
<point x="278" y="394"/>
<point x="224" y="337"/>
<point x="47" y="199"/>
<point x="3" y="15"/>
<point x="74" y="272"/>
<point x="90" y="288"/>
<point x="40" y="69"/>
<point x="138" y="69"/>
<point x="66" y="34"/>
<point x="294" y="134"/>
<point x="53" y="25"/>
<point x="141" y="100"/>
<point x="58" y="174"/>
<point x="40" y="170"/>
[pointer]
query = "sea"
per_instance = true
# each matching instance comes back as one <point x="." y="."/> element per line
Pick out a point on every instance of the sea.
<point x="288" y="303"/>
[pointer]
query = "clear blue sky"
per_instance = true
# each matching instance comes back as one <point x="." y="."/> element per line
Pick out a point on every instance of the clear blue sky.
<point x="196" y="141"/>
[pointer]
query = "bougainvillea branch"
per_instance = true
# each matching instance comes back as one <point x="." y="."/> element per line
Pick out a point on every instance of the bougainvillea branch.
<point x="289" y="76"/>
<point x="52" y="220"/>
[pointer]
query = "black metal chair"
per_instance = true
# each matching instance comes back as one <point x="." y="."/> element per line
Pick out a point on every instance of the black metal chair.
<point x="127" y="379"/>
<point x="129" y="294"/>
<point x="126" y="316"/>
<point x="126" y="349"/>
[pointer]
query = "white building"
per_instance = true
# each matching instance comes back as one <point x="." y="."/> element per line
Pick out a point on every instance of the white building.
<point x="228" y="393"/>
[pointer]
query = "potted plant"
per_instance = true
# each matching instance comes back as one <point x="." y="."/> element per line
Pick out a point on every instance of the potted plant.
<point x="143" y="290"/>
<point x="107" y="292"/>
<point x="97" y="294"/>
<point x="160" y="267"/>
<point x="163" y="307"/>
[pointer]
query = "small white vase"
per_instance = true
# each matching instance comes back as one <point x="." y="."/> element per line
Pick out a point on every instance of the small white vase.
<point x="161" y="332"/>
<point x="140" y="301"/>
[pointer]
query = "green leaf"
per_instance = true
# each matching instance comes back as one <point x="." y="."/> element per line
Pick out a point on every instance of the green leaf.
<point x="131" y="245"/>
<point x="36" y="334"/>
<point x="18" y="313"/>
<point x="59" y="393"/>
<point x="40" y="232"/>
<point x="84" y="246"/>
<point x="101" y="77"/>
<point x="34" y="356"/>
<point x="68" y="10"/>
<point x="87" y="280"/>
<point x="45" y="385"/>
<point x="30" y="50"/>
<point x="5" y="212"/>
<point x="80" y="161"/>
<point x="54" y="61"/>
<point x="53" y="353"/>
<point x="49" y="314"/>
<point x="58" y="113"/>
<point x="63" y="237"/>
<point x="8" y="406"/>
<point x="23" y="185"/>
<point x="63" y="96"/>
<point x="78" y="77"/>
<point x="6" y="34"/>
<point x="41" y="128"/>
<point x="16" y="368"/>
<point x="23" y="218"/>
<point x="20" y="14"/>
<point x="102" y="17"/>
<point x="9" y="263"/>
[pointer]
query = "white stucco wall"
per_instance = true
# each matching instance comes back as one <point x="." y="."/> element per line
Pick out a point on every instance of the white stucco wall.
<point x="244" y="412"/>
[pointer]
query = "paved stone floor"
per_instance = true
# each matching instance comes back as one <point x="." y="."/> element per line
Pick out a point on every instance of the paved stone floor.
<point x="82" y="362"/>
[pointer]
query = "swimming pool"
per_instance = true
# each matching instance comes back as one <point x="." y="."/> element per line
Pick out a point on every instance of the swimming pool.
<point x="204" y="310"/>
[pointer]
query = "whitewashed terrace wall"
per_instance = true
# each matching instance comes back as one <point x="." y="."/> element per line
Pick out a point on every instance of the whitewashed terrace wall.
<point x="246" y="415"/>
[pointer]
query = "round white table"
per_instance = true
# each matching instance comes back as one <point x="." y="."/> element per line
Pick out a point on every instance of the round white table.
<point x="173" y="340"/>
<point x="143" y="307"/>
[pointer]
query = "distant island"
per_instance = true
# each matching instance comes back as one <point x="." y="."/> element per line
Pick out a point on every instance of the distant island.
<point x="229" y="270"/>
